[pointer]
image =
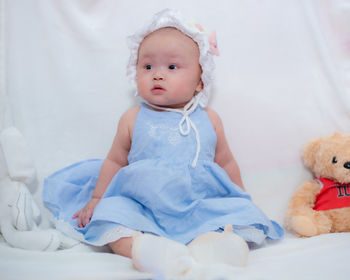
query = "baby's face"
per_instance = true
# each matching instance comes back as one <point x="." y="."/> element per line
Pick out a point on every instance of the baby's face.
<point x="168" y="70"/>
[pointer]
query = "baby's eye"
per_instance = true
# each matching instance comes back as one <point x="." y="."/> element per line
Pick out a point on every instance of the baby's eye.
<point x="172" y="67"/>
<point x="148" y="67"/>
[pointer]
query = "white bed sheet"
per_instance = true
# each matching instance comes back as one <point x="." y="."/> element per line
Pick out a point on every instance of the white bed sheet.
<point x="321" y="257"/>
<point x="282" y="79"/>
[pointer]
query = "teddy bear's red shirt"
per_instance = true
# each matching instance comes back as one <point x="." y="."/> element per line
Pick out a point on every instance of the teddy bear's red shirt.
<point x="332" y="195"/>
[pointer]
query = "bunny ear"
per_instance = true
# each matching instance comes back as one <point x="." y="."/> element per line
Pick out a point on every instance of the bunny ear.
<point x="213" y="43"/>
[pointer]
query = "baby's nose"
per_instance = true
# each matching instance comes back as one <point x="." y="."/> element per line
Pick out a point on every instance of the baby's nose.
<point x="158" y="78"/>
<point x="158" y="75"/>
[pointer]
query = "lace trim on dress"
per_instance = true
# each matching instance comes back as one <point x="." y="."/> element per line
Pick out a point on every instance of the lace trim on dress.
<point x="109" y="236"/>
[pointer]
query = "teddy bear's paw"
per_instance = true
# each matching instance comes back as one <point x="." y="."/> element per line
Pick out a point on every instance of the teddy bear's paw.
<point x="324" y="224"/>
<point x="304" y="226"/>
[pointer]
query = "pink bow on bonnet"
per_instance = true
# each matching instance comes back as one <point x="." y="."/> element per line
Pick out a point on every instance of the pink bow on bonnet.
<point x="212" y="40"/>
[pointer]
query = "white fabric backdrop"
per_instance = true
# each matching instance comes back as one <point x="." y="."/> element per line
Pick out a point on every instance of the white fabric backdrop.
<point x="279" y="82"/>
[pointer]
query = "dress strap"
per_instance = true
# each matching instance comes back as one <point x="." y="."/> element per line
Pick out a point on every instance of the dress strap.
<point x="185" y="123"/>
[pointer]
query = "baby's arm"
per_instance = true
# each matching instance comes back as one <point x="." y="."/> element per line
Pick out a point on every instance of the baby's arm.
<point x="223" y="154"/>
<point x="117" y="158"/>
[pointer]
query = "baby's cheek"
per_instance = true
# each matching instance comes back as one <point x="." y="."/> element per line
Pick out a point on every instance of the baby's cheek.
<point x="141" y="83"/>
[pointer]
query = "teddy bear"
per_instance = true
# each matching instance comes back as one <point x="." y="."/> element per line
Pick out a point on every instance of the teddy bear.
<point x="19" y="214"/>
<point x="322" y="205"/>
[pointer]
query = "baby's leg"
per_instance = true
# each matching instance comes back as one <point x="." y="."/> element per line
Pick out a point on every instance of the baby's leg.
<point x="158" y="255"/>
<point x="122" y="246"/>
<point x="163" y="257"/>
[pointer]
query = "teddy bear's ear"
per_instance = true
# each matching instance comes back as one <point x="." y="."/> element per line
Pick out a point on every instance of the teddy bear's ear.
<point x="310" y="151"/>
<point x="336" y="135"/>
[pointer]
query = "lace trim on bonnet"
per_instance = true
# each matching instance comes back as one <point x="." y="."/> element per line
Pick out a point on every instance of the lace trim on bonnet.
<point x="206" y="44"/>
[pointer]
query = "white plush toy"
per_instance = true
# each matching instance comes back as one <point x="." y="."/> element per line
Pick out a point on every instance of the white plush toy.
<point x="19" y="214"/>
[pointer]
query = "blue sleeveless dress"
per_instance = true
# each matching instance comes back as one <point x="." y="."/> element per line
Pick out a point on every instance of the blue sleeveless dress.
<point x="159" y="191"/>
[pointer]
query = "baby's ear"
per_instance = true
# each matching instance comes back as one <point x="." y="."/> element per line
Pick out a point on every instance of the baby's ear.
<point x="200" y="86"/>
<point x="310" y="150"/>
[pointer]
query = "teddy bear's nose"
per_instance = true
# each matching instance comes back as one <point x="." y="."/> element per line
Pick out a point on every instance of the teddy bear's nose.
<point x="347" y="165"/>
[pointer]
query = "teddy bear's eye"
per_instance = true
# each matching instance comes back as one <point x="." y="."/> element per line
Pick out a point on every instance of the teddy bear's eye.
<point x="334" y="160"/>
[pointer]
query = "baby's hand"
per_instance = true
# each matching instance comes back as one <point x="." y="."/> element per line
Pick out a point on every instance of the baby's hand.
<point x="84" y="215"/>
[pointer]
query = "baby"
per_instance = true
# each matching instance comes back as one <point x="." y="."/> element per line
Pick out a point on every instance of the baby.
<point x="169" y="179"/>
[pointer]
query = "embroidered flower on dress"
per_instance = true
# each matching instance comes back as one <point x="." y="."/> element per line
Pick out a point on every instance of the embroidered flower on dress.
<point x="158" y="131"/>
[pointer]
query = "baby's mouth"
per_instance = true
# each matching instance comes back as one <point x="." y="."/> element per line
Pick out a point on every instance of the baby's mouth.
<point x="158" y="89"/>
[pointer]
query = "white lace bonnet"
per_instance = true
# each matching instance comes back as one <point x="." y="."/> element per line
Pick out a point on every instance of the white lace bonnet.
<point x="206" y="44"/>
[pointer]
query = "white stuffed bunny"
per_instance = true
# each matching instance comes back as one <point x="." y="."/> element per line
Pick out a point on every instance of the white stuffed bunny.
<point x="19" y="214"/>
